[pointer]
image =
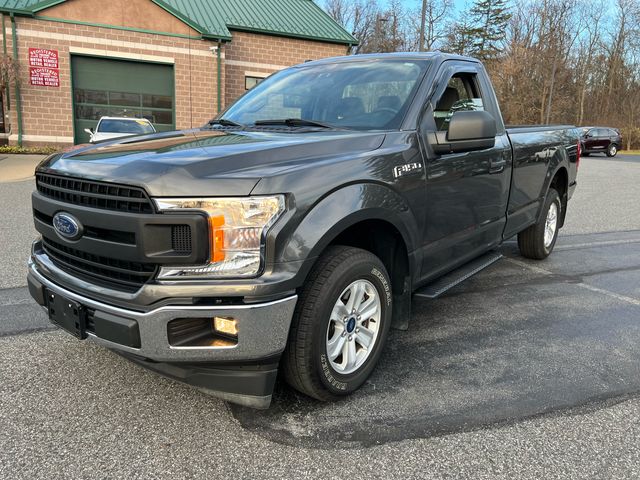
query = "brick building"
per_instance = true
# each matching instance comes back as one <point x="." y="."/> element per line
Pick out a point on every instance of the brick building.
<point x="175" y="62"/>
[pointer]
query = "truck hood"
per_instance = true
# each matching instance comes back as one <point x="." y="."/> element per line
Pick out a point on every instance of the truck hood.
<point x="206" y="162"/>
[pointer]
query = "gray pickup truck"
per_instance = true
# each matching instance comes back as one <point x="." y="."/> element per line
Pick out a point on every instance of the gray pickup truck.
<point x="290" y="234"/>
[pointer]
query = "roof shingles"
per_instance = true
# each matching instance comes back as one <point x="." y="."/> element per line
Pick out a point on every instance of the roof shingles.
<point x="215" y="18"/>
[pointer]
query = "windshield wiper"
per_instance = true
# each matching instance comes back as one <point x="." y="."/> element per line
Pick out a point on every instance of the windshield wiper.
<point x="225" y="122"/>
<point x="294" y="122"/>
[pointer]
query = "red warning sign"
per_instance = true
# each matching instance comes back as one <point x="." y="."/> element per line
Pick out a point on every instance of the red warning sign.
<point x="42" y="57"/>
<point x="44" y="77"/>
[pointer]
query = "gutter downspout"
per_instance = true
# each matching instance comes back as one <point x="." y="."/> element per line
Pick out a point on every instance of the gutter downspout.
<point x="14" y="42"/>
<point x="218" y="74"/>
<point x="4" y="36"/>
<point x="4" y="50"/>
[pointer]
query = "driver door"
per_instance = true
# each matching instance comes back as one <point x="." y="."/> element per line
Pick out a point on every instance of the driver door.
<point x="466" y="193"/>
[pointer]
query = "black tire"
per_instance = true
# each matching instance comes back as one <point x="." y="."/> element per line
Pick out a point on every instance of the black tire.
<point x="531" y="240"/>
<point x="585" y="154"/>
<point x="612" y="150"/>
<point x="306" y="366"/>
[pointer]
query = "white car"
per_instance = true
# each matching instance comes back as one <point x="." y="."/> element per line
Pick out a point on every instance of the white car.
<point x="109" y="128"/>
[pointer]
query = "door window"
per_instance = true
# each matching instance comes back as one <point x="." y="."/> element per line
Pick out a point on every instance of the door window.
<point x="462" y="93"/>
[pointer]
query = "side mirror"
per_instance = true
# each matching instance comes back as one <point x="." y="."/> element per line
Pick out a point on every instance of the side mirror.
<point x="468" y="130"/>
<point x="89" y="131"/>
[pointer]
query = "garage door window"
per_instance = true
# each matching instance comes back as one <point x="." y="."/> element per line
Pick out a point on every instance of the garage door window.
<point x="104" y="87"/>
<point x="93" y="104"/>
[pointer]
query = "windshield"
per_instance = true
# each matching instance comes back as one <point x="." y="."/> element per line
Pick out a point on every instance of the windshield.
<point x="125" y="126"/>
<point x="363" y="95"/>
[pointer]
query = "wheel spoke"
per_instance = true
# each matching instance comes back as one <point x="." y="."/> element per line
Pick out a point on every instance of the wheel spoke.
<point x="369" y="311"/>
<point x="350" y="356"/>
<point x="339" y="311"/>
<point x="355" y="297"/>
<point x="365" y="337"/>
<point x="335" y="345"/>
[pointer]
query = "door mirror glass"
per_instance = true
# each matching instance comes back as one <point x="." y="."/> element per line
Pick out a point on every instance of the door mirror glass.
<point x="471" y="125"/>
<point x="468" y="130"/>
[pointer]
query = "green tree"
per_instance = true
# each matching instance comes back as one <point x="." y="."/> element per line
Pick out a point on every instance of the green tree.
<point x="461" y="38"/>
<point x="488" y="28"/>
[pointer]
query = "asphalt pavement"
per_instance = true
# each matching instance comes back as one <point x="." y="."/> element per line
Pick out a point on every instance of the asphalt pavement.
<point x="527" y="370"/>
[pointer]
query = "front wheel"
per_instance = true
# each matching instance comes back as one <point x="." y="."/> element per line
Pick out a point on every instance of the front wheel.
<point x="612" y="150"/>
<point x="538" y="240"/>
<point x="340" y="324"/>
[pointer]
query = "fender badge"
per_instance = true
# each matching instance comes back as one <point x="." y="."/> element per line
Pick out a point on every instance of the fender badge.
<point x="406" y="169"/>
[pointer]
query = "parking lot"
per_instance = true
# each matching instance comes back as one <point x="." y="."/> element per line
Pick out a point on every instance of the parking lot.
<point x="527" y="370"/>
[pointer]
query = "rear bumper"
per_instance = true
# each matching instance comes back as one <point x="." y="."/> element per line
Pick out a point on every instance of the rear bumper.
<point x="243" y="373"/>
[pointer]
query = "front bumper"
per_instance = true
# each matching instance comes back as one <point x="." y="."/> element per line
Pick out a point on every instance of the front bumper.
<point x="263" y="331"/>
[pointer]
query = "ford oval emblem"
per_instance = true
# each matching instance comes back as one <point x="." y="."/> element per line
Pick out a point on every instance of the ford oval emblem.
<point x="67" y="226"/>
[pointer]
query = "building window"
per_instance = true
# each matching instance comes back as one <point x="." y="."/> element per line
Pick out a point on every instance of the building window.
<point x="250" y="82"/>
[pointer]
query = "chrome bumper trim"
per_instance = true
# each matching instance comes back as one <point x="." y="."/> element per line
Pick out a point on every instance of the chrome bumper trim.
<point x="263" y="327"/>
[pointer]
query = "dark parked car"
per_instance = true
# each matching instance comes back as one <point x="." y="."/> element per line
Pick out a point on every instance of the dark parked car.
<point x="600" y="140"/>
<point x="291" y="233"/>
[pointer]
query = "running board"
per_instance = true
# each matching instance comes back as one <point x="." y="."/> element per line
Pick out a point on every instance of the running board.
<point x="451" y="279"/>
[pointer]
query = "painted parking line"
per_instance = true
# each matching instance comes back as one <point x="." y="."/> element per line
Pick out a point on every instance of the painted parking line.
<point x="597" y="244"/>
<point x="609" y="293"/>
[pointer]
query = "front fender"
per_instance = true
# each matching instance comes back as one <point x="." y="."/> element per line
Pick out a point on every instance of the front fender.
<point x="345" y="207"/>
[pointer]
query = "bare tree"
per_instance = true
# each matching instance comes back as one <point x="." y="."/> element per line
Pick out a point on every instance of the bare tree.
<point x="433" y="24"/>
<point x="565" y="61"/>
<point x="359" y="17"/>
<point x="591" y="18"/>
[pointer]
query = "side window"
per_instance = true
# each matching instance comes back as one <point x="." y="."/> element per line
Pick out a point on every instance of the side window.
<point x="250" y="82"/>
<point x="462" y="93"/>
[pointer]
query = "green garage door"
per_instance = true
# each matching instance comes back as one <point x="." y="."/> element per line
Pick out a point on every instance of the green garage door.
<point x="120" y="88"/>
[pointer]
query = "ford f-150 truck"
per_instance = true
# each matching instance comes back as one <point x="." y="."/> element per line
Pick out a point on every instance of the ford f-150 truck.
<point x="289" y="234"/>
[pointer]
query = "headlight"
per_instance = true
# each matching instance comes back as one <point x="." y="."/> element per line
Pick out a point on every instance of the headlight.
<point x="237" y="227"/>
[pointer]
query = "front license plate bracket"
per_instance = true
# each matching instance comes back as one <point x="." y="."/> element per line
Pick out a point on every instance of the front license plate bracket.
<point x="67" y="314"/>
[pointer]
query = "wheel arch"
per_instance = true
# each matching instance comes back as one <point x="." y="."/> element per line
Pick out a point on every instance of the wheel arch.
<point x="560" y="182"/>
<point x="369" y="216"/>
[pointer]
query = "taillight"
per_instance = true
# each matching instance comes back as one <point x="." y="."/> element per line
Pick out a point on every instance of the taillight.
<point x="578" y="152"/>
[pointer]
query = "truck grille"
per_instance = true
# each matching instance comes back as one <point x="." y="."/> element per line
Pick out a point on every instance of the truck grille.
<point x="122" y="240"/>
<point x="89" y="193"/>
<point x="123" y="275"/>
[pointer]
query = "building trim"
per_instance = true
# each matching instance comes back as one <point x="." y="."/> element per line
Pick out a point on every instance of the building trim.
<point x="256" y="74"/>
<point x="42" y="138"/>
<point x="225" y="35"/>
<point x="299" y="36"/>
<point x="266" y="66"/>
<point x="96" y="52"/>
<point x="111" y="43"/>
<point x="116" y="27"/>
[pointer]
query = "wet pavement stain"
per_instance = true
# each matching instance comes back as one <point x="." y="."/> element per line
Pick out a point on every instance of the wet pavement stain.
<point x="509" y="344"/>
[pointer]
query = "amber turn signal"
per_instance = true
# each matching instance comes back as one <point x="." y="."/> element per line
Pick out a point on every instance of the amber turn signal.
<point x="216" y="238"/>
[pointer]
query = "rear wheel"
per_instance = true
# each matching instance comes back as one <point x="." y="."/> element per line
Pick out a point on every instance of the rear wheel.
<point x="538" y="240"/>
<point x="612" y="150"/>
<point x="585" y="154"/>
<point x="340" y="324"/>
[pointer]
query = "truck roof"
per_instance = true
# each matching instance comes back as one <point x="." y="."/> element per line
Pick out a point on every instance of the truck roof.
<point x="432" y="55"/>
